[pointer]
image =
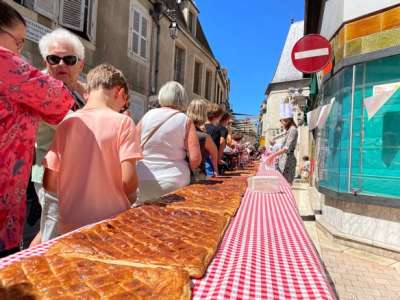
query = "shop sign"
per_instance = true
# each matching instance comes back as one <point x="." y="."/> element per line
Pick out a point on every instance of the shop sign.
<point x="35" y="31"/>
<point x="311" y="54"/>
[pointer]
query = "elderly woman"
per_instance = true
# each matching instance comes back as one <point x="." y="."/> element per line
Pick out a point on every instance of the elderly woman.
<point x="63" y="55"/>
<point x="168" y="136"/>
<point x="26" y="96"/>
<point x="197" y="112"/>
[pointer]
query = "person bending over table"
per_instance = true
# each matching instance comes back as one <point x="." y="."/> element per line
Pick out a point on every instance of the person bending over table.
<point x="91" y="165"/>
<point x="286" y="158"/>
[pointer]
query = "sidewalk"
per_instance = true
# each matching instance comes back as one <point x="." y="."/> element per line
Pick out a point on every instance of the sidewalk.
<point x="355" y="274"/>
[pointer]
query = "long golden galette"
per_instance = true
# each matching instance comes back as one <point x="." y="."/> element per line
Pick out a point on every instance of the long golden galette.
<point x="150" y="235"/>
<point x="55" y="277"/>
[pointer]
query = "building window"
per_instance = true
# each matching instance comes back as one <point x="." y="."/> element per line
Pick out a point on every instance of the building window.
<point x="208" y="84"/>
<point x="79" y="15"/>
<point x="179" y="65"/>
<point x="217" y="94"/>
<point x="138" y="33"/>
<point x="198" y="70"/>
<point x="192" y="23"/>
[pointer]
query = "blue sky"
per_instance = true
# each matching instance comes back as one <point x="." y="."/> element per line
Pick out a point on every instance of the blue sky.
<point x="247" y="37"/>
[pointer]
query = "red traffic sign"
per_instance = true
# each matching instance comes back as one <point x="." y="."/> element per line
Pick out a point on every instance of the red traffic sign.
<point x="311" y="53"/>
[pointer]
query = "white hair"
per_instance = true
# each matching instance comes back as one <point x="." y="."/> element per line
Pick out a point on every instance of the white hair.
<point x="61" y="35"/>
<point x="172" y="94"/>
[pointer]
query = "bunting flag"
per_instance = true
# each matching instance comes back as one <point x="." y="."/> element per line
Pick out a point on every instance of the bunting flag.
<point x="319" y="116"/>
<point x="381" y="95"/>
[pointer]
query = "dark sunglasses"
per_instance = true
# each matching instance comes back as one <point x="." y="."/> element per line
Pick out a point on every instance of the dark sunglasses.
<point x="69" y="60"/>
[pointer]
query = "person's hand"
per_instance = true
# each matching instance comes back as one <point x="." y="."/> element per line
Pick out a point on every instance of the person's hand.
<point x="270" y="160"/>
<point x="215" y="174"/>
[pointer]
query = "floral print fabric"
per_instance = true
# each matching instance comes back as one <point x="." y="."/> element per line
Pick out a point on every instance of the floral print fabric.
<point x="26" y="96"/>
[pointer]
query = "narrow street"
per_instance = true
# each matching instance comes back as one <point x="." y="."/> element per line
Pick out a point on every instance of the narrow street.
<point x="355" y="274"/>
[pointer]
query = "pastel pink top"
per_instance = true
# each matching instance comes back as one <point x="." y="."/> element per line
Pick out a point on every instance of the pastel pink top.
<point x="87" y="151"/>
<point x="26" y="96"/>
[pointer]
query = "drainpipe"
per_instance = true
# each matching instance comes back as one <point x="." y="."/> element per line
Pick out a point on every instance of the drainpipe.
<point x="215" y="84"/>
<point x="157" y="62"/>
<point x="156" y="14"/>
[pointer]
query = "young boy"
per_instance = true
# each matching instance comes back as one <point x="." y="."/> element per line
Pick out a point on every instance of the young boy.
<point x="91" y="163"/>
<point x="214" y="114"/>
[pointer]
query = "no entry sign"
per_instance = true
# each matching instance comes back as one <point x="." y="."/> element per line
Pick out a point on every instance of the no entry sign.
<point x="311" y="53"/>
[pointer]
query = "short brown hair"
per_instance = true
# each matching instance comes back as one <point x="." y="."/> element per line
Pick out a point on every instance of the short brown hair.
<point x="225" y="117"/>
<point x="214" y="111"/>
<point x="106" y="76"/>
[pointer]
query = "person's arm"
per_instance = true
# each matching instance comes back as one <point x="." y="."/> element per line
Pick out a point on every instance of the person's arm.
<point x="192" y="146"/>
<point x="36" y="241"/>
<point x="47" y="97"/>
<point x="129" y="153"/>
<point x="50" y="181"/>
<point x="221" y="148"/>
<point x="129" y="177"/>
<point x="289" y="146"/>
<point x="212" y="150"/>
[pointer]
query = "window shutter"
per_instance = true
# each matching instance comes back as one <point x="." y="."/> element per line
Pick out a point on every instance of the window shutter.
<point x="135" y="33"/>
<point x="130" y="30"/>
<point x="48" y="8"/>
<point x="72" y="14"/>
<point x="92" y="20"/>
<point x="138" y="32"/>
<point x="143" y="41"/>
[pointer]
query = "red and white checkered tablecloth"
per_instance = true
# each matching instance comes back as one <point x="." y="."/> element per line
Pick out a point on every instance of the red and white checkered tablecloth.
<point x="265" y="254"/>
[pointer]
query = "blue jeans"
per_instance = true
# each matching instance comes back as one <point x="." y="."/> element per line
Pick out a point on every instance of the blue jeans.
<point x="209" y="169"/>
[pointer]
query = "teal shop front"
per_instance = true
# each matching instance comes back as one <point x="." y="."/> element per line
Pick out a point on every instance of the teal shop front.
<point x="358" y="155"/>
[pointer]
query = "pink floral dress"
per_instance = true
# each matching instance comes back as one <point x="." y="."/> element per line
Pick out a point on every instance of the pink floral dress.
<point x="26" y="96"/>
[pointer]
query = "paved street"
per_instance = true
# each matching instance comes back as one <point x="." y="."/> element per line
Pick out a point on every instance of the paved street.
<point x="355" y="273"/>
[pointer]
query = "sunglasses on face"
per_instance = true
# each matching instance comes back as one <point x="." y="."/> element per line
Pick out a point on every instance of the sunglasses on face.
<point x="69" y="60"/>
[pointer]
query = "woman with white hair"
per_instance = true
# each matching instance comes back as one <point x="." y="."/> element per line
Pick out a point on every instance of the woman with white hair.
<point x="168" y="136"/>
<point x="63" y="55"/>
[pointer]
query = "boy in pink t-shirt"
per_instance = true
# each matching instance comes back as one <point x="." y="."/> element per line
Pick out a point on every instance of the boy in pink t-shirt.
<point x="91" y="164"/>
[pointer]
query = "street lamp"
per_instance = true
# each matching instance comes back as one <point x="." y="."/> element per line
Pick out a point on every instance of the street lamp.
<point x="161" y="10"/>
<point x="173" y="29"/>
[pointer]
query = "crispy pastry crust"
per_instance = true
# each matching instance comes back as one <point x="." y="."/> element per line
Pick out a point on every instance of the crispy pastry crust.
<point x="56" y="277"/>
<point x="151" y="235"/>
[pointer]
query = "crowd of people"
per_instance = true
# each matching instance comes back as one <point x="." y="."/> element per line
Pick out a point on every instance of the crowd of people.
<point x="87" y="158"/>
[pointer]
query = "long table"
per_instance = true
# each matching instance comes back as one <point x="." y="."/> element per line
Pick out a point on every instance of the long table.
<point x="265" y="254"/>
